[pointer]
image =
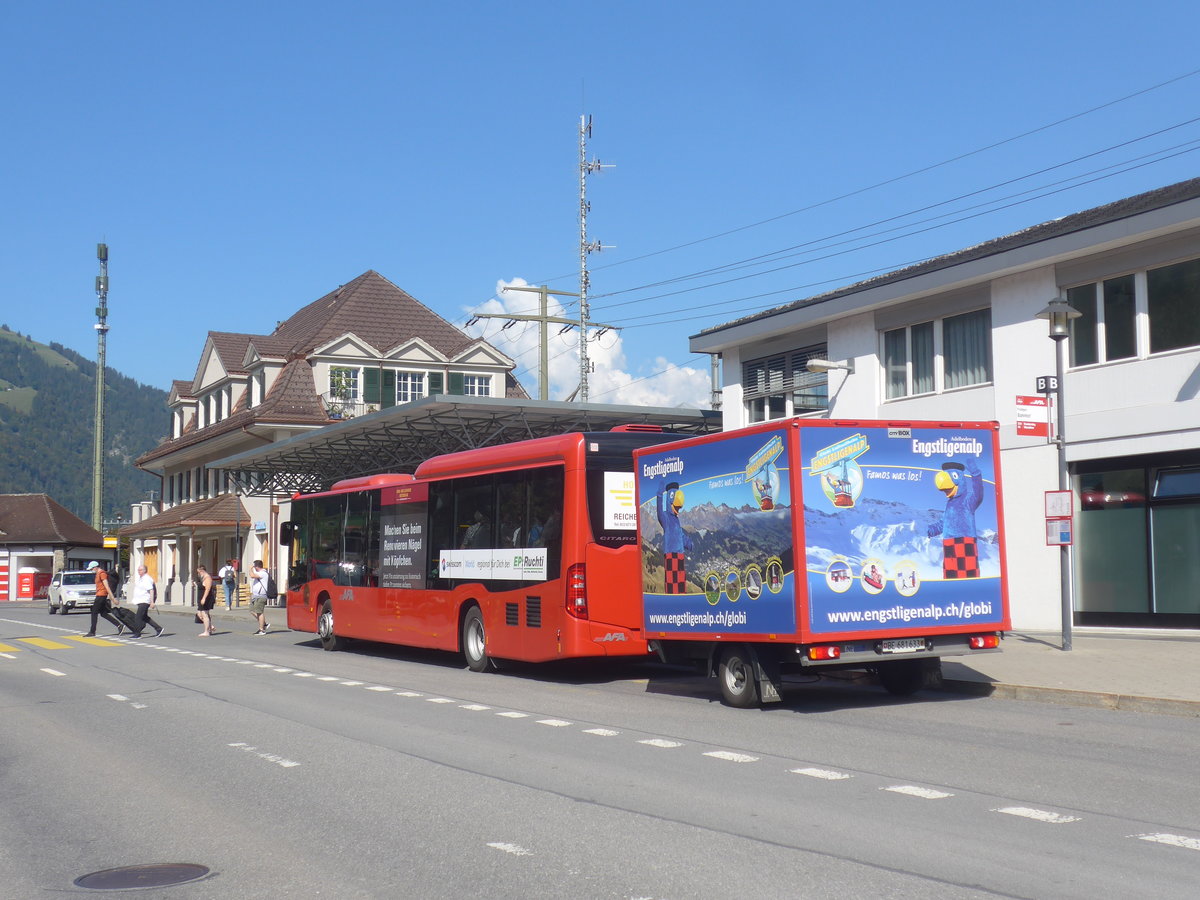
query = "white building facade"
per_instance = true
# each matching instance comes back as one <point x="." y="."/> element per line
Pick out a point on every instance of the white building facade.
<point x="957" y="338"/>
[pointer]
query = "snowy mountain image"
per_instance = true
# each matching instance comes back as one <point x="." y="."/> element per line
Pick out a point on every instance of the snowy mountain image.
<point x="884" y="531"/>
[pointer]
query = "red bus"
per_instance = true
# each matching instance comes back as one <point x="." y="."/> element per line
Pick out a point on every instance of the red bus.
<point x="524" y="551"/>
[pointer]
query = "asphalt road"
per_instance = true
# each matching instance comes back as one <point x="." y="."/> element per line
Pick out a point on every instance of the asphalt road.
<point x="282" y="771"/>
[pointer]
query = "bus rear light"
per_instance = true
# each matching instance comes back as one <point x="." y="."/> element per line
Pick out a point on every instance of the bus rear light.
<point x="984" y="642"/>
<point x="825" y="652"/>
<point x="577" y="591"/>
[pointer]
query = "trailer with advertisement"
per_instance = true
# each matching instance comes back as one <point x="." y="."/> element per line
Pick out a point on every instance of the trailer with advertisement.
<point x="820" y="545"/>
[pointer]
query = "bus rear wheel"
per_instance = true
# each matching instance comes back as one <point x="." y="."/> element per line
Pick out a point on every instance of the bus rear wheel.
<point x="736" y="676"/>
<point x="329" y="640"/>
<point x="474" y="640"/>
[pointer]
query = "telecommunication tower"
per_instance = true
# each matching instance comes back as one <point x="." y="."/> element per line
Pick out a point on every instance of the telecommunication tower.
<point x="101" y="334"/>
<point x="586" y="247"/>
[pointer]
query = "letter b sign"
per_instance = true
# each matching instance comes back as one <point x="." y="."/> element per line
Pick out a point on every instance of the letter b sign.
<point x="1047" y="384"/>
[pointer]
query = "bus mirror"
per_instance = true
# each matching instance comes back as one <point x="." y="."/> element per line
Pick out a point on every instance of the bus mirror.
<point x="286" y="530"/>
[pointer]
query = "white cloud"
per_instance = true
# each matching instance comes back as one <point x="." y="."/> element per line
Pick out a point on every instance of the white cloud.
<point x="655" y="382"/>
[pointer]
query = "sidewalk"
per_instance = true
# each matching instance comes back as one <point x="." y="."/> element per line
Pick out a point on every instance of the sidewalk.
<point x="1156" y="671"/>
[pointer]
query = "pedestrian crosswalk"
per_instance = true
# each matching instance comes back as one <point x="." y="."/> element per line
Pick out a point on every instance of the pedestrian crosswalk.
<point x="15" y="645"/>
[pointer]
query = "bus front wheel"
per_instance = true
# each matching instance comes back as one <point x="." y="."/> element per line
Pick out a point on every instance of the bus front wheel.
<point x="329" y="640"/>
<point x="736" y="676"/>
<point x="474" y="640"/>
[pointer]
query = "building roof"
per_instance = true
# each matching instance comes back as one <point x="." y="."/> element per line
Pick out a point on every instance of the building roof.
<point x="292" y="400"/>
<point x="375" y="310"/>
<point x="225" y="511"/>
<point x="37" y="519"/>
<point x="1089" y="218"/>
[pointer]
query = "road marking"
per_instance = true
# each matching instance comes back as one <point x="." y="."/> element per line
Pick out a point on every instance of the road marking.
<point x="94" y="641"/>
<point x="514" y="849"/>
<point x="730" y="756"/>
<point x="55" y="673"/>
<point x="352" y="683"/>
<point x="1038" y="815"/>
<point x="379" y="687"/>
<point x="305" y="674"/>
<point x="407" y="694"/>
<point x="1171" y="840"/>
<point x="913" y="791"/>
<point x="513" y="715"/>
<point x="264" y="665"/>
<point x="327" y="678"/>
<point x="282" y="670"/>
<point x="603" y="732"/>
<point x="269" y="757"/>
<point x="826" y="774"/>
<point x="659" y="742"/>
<point x="9" y="648"/>
<point x="120" y="698"/>
<point x="553" y="723"/>
<point x="439" y="700"/>
<point x="473" y="707"/>
<point x="44" y="643"/>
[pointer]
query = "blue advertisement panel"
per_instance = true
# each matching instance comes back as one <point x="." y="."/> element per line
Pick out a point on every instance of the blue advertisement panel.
<point x="900" y="528"/>
<point x="715" y="522"/>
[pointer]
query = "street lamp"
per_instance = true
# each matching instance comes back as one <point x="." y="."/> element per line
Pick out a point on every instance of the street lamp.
<point x="1059" y="314"/>
<point x="817" y="366"/>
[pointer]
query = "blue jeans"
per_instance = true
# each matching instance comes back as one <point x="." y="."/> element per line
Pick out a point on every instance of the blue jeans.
<point x="230" y="586"/>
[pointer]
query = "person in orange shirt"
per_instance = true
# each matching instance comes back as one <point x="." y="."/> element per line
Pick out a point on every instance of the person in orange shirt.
<point x="102" y="605"/>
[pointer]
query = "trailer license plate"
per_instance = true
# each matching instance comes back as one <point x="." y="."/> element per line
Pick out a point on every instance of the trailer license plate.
<point x="903" y="645"/>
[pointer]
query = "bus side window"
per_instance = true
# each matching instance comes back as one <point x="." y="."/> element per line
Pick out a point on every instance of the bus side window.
<point x="546" y="505"/>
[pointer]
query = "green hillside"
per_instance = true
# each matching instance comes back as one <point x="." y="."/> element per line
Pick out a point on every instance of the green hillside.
<point x="47" y="399"/>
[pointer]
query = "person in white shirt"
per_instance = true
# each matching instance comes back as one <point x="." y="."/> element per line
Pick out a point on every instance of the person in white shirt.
<point x="228" y="576"/>
<point x="145" y="596"/>
<point x="258" y="595"/>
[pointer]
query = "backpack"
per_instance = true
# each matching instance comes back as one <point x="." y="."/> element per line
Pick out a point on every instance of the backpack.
<point x="272" y="588"/>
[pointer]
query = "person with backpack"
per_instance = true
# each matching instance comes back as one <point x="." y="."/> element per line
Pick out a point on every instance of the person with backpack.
<point x="103" y="604"/>
<point x="228" y="576"/>
<point x="260" y="584"/>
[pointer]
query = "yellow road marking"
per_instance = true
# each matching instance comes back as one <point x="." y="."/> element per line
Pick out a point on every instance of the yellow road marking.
<point x="8" y="648"/>
<point x="98" y="642"/>
<point x="44" y="643"/>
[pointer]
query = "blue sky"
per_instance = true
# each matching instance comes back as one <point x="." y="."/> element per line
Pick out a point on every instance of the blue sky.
<point x="243" y="159"/>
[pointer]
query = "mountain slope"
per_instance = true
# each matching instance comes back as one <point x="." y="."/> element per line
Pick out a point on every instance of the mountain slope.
<point x="47" y="403"/>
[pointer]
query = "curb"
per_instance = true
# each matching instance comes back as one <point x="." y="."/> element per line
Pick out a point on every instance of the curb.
<point x="1064" y="697"/>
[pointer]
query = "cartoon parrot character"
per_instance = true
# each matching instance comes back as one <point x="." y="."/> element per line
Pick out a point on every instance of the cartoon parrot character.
<point x="963" y="487"/>
<point x="675" y="541"/>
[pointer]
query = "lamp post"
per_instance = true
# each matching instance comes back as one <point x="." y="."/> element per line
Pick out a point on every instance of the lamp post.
<point x="1059" y="314"/>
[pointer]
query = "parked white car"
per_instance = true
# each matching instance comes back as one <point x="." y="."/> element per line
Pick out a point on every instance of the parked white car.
<point x="71" y="590"/>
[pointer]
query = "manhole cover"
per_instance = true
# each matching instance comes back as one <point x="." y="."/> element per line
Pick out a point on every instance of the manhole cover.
<point x="127" y="877"/>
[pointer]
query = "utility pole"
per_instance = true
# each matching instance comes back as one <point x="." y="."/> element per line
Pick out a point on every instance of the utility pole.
<point x="101" y="335"/>
<point x="586" y="168"/>
<point x="543" y="319"/>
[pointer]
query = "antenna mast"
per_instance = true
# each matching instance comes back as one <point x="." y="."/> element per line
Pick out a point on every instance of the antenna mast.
<point x="586" y="168"/>
<point x="101" y="334"/>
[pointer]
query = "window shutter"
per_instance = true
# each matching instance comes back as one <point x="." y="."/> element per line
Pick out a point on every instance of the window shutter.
<point x="388" y="393"/>
<point x="370" y="385"/>
<point x="435" y="383"/>
<point x="456" y="383"/>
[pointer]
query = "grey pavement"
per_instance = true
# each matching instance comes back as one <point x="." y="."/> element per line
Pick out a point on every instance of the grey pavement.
<point x="1143" y="670"/>
<point x="1146" y="671"/>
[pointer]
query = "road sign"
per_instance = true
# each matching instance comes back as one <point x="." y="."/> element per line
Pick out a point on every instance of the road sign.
<point x="1047" y="384"/>
<point x="1033" y="414"/>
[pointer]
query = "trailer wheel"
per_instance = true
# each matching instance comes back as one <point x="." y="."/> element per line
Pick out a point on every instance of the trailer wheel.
<point x="474" y="640"/>
<point x="903" y="677"/>
<point x="736" y="675"/>
<point x="329" y="640"/>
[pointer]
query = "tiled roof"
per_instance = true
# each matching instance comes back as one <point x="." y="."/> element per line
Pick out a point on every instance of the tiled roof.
<point x="375" y="310"/>
<point x="292" y="400"/>
<point x="1089" y="218"/>
<point x="231" y="349"/>
<point x="225" y="511"/>
<point x="36" y="519"/>
<point x="182" y="389"/>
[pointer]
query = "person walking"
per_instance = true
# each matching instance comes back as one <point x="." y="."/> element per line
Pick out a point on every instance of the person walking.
<point x="102" y="605"/>
<point x="258" y="595"/>
<point x="228" y="576"/>
<point x="208" y="599"/>
<point x="145" y="596"/>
